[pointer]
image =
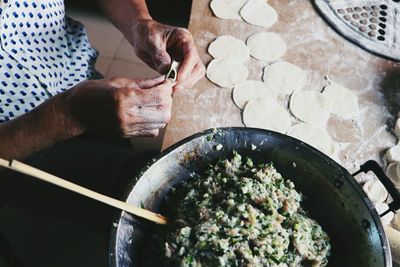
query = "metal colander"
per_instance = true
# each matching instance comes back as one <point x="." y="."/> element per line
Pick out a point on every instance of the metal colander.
<point x="373" y="25"/>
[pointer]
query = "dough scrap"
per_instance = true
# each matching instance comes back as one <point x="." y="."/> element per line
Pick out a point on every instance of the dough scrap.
<point x="393" y="171"/>
<point x="314" y="136"/>
<point x="226" y="46"/>
<point x="393" y="153"/>
<point x="266" y="114"/>
<point x="284" y="77"/>
<point x="310" y="106"/>
<point x="375" y="190"/>
<point x="227" y="9"/>
<point x="381" y="208"/>
<point x="344" y="101"/>
<point x="267" y="46"/>
<point x="227" y="72"/>
<point x="258" y="12"/>
<point x="251" y="90"/>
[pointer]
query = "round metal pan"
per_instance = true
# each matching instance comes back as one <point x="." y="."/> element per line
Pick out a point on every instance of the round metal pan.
<point x="332" y="196"/>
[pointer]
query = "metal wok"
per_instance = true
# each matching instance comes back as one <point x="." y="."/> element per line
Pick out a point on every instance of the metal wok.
<point x="332" y="196"/>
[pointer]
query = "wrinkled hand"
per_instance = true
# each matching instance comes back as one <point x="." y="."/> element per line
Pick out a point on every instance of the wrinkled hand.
<point x="157" y="43"/>
<point x="120" y="106"/>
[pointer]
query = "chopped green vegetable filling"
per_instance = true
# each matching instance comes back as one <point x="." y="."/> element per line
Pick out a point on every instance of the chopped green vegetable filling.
<point x="239" y="214"/>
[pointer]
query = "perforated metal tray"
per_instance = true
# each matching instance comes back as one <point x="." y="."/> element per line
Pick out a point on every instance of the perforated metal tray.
<point x="373" y="25"/>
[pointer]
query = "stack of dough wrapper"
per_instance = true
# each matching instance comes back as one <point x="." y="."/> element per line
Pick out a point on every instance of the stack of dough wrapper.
<point x="379" y="196"/>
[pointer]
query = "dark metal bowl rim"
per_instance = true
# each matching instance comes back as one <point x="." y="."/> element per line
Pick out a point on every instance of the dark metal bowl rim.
<point x="356" y="187"/>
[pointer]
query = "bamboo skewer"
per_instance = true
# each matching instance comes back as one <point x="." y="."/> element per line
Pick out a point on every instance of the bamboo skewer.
<point x="44" y="176"/>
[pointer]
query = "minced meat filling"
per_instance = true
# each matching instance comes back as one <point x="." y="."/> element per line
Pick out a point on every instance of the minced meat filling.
<point x="244" y="215"/>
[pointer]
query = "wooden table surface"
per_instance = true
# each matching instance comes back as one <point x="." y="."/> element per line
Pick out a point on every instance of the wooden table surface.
<point x="317" y="48"/>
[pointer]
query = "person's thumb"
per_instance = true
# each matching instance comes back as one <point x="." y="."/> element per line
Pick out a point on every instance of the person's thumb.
<point x="161" y="60"/>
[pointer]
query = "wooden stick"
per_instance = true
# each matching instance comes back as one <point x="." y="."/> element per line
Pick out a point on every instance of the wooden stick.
<point x="4" y="163"/>
<point x="26" y="169"/>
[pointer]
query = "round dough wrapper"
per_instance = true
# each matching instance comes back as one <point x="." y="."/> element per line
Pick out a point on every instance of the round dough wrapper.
<point x="266" y="114"/>
<point x="397" y="128"/>
<point x="267" y="46"/>
<point x="310" y="106"/>
<point x="393" y="153"/>
<point x="394" y="242"/>
<point x="344" y="101"/>
<point x="227" y="72"/>
<point x="284" y="77"/>
<point x="258" y="12"/>
<point x="393" y="171"/>
<point x="314" y="136"/>
<point x="375" y="190"/>
<point x="227" y="9"/>
<point x="229" y="47"/>
<point x="396" y="221"/>
<point x="251" y="90"/>
<point x="381" y="208"/>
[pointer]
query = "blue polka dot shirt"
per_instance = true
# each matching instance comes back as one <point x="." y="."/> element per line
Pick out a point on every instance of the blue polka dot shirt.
<point x="42" y="53"/>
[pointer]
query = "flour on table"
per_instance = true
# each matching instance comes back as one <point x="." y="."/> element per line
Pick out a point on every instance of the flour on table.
<point x="251" y="90"/>
<point x="375" y="190"/>
<point x="344" y="101"/>
<point x="284" y="77"/>
<point x="258" y="12"/>
<point x="310" y="106"/>
<point x="227" y="9"/>
<point x="227" y="72"/>
<point x="266" y="114"/>
<point x="266" y="46"/>
<point x="315" y="136"/>
<point x="226" y="46"/>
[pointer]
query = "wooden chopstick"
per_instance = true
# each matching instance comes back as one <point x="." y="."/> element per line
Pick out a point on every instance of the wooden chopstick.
<point x="26" y="169"/>
<point x="4" y="163"/>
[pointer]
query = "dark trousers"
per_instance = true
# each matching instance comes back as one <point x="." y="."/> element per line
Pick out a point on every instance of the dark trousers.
<point x="103" y="165"/>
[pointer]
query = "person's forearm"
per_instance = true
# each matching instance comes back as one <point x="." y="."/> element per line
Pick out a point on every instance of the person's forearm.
<point x="36" y="130"/>
<point x="125" y="13"/>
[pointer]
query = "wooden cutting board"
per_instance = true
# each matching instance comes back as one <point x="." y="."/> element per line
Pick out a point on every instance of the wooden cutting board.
<point x="317" y="48"/>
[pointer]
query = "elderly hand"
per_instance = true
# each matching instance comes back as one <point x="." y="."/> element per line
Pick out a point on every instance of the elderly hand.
<point x="120" y="106"/>
<point x="157" y="43"/>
